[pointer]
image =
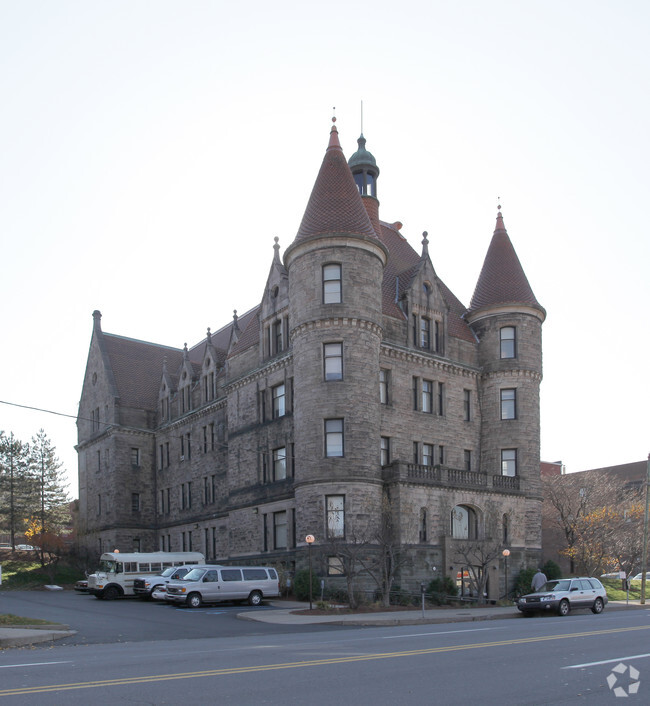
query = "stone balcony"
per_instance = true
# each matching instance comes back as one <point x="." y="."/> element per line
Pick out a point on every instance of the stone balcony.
<point x="449" y="477"/>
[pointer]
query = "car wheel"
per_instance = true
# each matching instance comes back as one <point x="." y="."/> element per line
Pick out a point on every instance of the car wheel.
<point x="194" y="600"/>
<point x="111" y="593"/>
<point x="564" y="607"/>
<point x="598" y="606"/>
<point x="255" y="598"/>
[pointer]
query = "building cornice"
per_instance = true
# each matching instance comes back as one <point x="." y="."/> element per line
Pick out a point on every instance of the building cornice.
<point x="337" y="322"/>
<point x="410" y="355"/>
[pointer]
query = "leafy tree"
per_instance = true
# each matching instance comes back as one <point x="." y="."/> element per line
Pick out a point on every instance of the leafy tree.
<point x="477" y="556"/>
<point x="51" y="486"/>
<point x="551" y="570"/>
<point x="16" y="487"/>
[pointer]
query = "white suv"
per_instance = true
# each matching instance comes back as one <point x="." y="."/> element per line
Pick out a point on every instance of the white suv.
<point x="563" y="595"/>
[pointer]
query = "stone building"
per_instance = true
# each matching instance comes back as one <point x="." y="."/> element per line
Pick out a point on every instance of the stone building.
<point x="360" y="394"/>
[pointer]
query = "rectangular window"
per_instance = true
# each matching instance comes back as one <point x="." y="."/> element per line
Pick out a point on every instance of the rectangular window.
<point x="99" y="461"/>
<point x="508" y="342"/>
<point x="441" y="398"/>
<point x="427" y="396"/>
<point x="509" y="404"/>
<point x="425" y="333"/>
<point x="333" y="438"/>
<point x="415" y="393"/>
<point x="436" y="336"/>
<point x="335" y="566"/>
<point x="277" y="337"/>
<point x="416" y="452"/>
<point x="333" y="361"/>
<point x="99" y="504"/>
<point x="189" y="494"/>
<point x="205" y="440"/>
<point x="423" y="524"/>
<point x="135" y="502"/>
<point x="508" y="462"/>
<point x="427" y="454"/>
<point x="385" y="450"/>
<point x="206" y="490"/>
<point x="335" y="516"/>
<point x="384" y="376"/>
<point x="467" y="457"/>
<point x="212" y="436"/>
<point x="441" y="455"/>
<point x="188" y="440"/>
<point x="213" y="488"/>
<point x="280" y="463"/>
<point x="278" y="394"/>
<point x="280" y="530"/>
<point x="168" y="500"/>
<point x="167" y="453"/>
<point x="161" y="508"/>
<point x="161" y="457"/>
<point x="467" y="405"/>
<point x="332" y="284"/>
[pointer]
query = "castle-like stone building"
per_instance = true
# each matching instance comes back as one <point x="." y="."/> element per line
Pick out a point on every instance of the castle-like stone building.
<point x="359" y="394"/>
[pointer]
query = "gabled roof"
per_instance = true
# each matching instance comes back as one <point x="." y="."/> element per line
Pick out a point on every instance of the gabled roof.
<point x="137" y="368"/>
<point x="335" y="204"/>
<point x="502" y="279"/>
<point x="403" y="262"/>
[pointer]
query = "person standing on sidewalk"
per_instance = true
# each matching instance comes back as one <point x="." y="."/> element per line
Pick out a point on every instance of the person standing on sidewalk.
<point x="539" y="579"/>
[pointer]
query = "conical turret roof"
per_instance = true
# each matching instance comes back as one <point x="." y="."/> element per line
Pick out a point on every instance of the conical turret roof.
<point x="502" y="279"/>
<point x="335" y="205"/>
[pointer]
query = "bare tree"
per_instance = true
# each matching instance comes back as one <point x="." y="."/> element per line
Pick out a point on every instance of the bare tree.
<point x="599" y="517"/>
<point x="476" y="555"/>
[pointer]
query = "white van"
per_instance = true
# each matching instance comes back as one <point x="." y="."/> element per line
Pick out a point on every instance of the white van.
<point x="117" y="571"/>
<point x="214" y="583"/>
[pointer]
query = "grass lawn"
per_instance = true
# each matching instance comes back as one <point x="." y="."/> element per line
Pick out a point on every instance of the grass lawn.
<point x="616" y="593"/>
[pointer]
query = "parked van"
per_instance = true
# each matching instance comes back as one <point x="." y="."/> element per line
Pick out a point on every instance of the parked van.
<point x="117" y="571"/>
<point x="144" y="586"/>
<point x="212" y="584"/>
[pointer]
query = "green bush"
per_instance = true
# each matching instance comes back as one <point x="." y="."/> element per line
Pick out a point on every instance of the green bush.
<point x="552" y="570"/>
<point x="301" y="585"/>
<point x="441" y="589"/>
<point x="522" y="585"/>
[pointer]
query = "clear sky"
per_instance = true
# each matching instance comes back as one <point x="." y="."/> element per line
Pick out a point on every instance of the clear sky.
<point x="150" y="151"/>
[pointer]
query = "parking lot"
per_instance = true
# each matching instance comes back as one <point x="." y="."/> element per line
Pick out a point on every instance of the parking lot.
<point x="135" y="620"/>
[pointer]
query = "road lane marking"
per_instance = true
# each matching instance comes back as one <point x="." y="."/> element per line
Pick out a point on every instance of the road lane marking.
<point x="606" y="661"/>
<point x="33" y="664"/>
<point x="445" y="632"/>
<point x="306" y="663"/>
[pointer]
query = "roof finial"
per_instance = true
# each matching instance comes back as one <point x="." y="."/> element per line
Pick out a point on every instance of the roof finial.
<point x="425" y="243"/>
<point x="499" y="204"/>
<point x="209" y="336"/>
<point x="334" y="114"/>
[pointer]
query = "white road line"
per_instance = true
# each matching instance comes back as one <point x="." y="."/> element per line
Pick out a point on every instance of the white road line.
<point x="607" y="661"/>
<point x="32" y="664"/>
<point x="446" y="632"/>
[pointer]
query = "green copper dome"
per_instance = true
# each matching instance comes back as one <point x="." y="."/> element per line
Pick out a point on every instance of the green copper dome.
<point x="362" y="158"/>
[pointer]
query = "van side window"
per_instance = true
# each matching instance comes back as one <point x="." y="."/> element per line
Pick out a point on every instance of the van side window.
<point x="231" y="574"/>
<point x="273" y="574"/>
<point x="211" y="576"/>
<point x="255" y="575"/>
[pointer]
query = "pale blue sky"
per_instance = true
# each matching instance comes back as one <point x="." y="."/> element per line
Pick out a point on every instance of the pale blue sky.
<point x="151" y="151"/>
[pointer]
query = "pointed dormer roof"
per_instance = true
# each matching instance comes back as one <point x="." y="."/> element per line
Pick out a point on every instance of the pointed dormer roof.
<point x="502" y="281"/>
<point x="335" y="204"/>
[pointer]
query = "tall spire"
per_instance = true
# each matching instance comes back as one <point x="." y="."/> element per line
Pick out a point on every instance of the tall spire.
<point x="335" y="204"/>
<point x="502" y="280"/>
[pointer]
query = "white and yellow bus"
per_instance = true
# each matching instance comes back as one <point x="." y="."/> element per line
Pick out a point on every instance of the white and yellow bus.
<point x="117" y="570"/>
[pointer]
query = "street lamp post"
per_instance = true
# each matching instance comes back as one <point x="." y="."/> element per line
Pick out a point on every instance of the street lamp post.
<point x="310" y="540"/>
<point x="506" y="554"/>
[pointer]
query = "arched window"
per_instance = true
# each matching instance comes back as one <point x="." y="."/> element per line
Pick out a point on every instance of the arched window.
<point x="506" y="530"/>
<point x="464" y="523"/>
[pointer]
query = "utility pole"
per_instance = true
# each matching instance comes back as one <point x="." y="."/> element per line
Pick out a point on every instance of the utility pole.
<point x="644" y="558"/>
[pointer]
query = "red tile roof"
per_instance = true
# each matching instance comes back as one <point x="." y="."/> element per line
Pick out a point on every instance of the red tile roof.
<point x="335" y="204"/>
<point x="502" y="279"/>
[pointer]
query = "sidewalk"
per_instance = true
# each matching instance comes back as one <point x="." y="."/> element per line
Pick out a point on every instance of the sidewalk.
<point x="285" y="615"/>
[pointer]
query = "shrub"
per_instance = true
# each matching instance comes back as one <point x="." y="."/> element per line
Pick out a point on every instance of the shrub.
<point x="522" y="586"/>
<point x="441" y="589"/>
<point x="301" y="585"/>
<point x="552" y="570"/>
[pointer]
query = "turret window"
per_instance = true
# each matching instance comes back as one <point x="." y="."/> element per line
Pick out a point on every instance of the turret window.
<point x="279" y="397"/>
<point x="333" y="438"/>
<point x="508" y="339"/>
<point x="384" y="378"/>
<point x="508" y="462"/>
<point x="280" y="463"/>
<point x="509" y="404"/>
<point x="335" y="516"/>
<point x="332" y="284"/>
<point x="333" y="361"/>
<point x="385" y="450"/>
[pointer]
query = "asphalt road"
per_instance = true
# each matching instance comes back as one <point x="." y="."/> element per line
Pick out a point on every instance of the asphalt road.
<point x="550" y="660"/>
<point x="135" y="620"/>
